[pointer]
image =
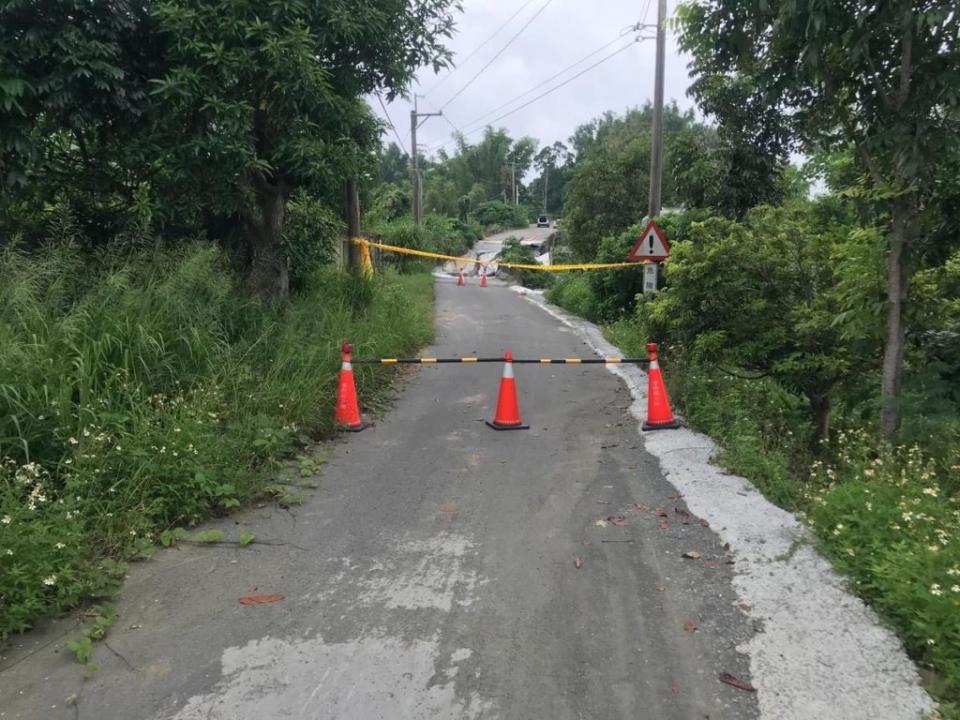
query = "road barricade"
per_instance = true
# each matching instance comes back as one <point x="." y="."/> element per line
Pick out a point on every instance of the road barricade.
<point x="507" y="417"/>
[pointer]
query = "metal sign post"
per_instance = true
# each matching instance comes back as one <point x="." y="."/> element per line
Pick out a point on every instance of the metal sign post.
<point x="650" y="277"/>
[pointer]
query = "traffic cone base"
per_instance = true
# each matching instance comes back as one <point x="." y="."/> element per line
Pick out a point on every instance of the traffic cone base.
<point x="508" y="408"/>
<point x="460" y="280"/>
<point x="499" y="426"/>
<point x="659" y="414"/>
<point x="483" y="280"/>
<point x="670" y="425"/>
<point x="347" y="413"/>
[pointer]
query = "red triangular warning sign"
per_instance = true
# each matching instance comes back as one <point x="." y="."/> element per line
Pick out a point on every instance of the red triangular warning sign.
<point x="651" y="246"/>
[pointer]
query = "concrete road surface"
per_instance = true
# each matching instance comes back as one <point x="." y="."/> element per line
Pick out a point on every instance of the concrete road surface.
<point x="440" y="570"/>
<point x="444" y="570"/>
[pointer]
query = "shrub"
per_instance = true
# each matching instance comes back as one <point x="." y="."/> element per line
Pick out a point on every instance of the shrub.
<point x="311" y="235"/>
<point x="514" y="252"/>
<point x="573" y="292"/>
<point x="499" y="215"/>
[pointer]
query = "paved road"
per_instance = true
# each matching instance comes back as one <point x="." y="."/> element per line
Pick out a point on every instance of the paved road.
<point x="432" y="575"/>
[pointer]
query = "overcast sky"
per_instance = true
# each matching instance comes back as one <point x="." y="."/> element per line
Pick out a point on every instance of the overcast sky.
<point x="563" y="33"/>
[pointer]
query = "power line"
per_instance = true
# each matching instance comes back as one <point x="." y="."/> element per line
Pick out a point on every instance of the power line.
<point x="545" y="93"/>
<point x="543" y="82"/>
<point x="392" y="126"/>
<point x="646" y="11"/>
<point x="478" y="48"/>
<point x="499" y="53"/>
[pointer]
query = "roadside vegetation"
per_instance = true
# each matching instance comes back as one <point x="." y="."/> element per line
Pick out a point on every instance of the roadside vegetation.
<point x="142" y="390"/>
<point x="816" y="339"/>
<point x="173" y="179"/>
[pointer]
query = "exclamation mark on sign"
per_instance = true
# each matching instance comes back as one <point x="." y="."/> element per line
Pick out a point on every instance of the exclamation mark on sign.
<point x="650" y="240"/>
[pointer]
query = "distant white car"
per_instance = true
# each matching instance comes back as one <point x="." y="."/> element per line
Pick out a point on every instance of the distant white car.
<point x="543" y="221"/>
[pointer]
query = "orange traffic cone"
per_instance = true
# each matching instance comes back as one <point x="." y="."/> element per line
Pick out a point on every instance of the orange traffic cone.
<point x="483" y="278"/>
<point x="508" y="409"/>
<point x="460" y="281"/>
<point x="347" y="415"/>
<point x="659" y="414"/>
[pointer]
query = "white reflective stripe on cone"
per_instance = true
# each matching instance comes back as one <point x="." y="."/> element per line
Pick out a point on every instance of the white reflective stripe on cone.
<point x="654" y="365"/>
<point x="346" y="366"/>
<point x="508" y="370"/>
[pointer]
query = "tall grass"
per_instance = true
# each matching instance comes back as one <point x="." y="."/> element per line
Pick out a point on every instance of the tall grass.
<point x="139" y="390"/>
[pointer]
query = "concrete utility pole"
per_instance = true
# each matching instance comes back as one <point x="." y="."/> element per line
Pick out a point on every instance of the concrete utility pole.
<point x="656" y="151"/>
<point x="546" y="181"/>
<point x="417" y="189"/>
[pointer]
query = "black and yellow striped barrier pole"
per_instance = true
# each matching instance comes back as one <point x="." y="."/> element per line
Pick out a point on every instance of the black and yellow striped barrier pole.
<point x="529" y="361"/>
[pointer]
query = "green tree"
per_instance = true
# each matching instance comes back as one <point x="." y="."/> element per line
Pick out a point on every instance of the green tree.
<point x="265" y="98"/>
<point x="762" y="295"/>
<point x="551" y="162"/>
<point x="878" y="78"/>
<point x="209" y="113"/>
<point x="73" y="99"/>
<point x="394" y="165"/>
<point x="608" y="185"/>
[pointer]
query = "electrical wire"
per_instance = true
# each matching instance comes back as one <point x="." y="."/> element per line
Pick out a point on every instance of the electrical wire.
<point x="544" y="82"/>
<point x="544" y="94"/>
<point x="478" y="48"/>
<point x="497" y="55"/>
<point x="392" y="126"/>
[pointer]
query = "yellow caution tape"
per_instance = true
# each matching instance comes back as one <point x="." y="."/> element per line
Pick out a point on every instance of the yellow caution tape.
<point x="366" y="264"/>
<point x="475" y="261"/>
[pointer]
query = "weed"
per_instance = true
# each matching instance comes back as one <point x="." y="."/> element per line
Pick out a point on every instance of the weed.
<point x="141" y="393"/>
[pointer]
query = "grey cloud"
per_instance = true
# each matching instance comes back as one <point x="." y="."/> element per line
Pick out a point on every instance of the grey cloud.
<point x="566" y="31"/>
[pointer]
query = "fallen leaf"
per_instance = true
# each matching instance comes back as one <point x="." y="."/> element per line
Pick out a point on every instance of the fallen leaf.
<point x="684" y="515"/>
<point x="675" y="497"/>
<point x="662" y="515"/>
<point x="745" y="607"/>
<point x="660" y="588"/>
<point x="736" y="682"/>
<point x="577" y="563"/>
<point x="726" y="547"/>
<point x="642" y="506"/>
<point x="618" y="520"/>
<point x="709" y="564"/>
<point x="690" y="626"/>
<point x="601" y="523"/>
<point x="704" y="523"/>
<point x="692" y="555"/>
<point x="261" y="599"/>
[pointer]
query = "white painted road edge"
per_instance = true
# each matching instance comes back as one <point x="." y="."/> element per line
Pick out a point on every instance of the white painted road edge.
<point x="821" y="653"/>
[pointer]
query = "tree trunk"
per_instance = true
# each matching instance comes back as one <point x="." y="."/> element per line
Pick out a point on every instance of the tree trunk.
<point x="267" y="275"/>
<point x="894" y="344"/>
<point x="820" y="406"/>
<point x="353" y="226"/>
